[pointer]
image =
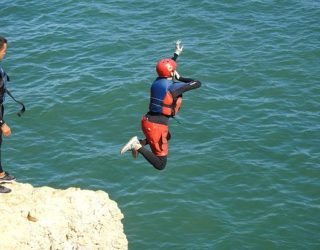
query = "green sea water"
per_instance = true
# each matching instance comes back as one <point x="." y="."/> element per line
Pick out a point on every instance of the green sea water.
<point x="244" y="161"/>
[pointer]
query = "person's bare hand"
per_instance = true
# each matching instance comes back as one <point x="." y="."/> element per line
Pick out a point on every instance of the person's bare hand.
<point x="6" y="130"/>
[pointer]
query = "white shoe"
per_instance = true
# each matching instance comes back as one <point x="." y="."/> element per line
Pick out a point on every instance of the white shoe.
<point x="133" y="144"/>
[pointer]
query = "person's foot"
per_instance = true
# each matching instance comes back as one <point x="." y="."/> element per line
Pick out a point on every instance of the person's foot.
<point x="135" y="153"/>
<point x="133" y="144"/>
<point x="6" y="177"/>
<point x="4" y="190"/>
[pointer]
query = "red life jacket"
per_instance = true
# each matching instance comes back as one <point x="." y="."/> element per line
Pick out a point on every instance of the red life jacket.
<point x="171" y="107"/>
<point x="161" y="100"/>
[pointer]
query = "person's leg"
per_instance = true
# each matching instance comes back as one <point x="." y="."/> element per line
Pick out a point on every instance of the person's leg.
<point x="2" y="115"/>
<point x="3" y="190"/>
<point x="156" y="136"/>
<point x="1" y="169"/>
<point x="135" y="153"/>
<point x="158" y="162"/>
<point x="4" y="176"/>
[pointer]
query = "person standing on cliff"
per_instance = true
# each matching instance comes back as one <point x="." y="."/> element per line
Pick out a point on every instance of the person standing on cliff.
<point x="5" y="177"/>
<point x="165" y="101"/>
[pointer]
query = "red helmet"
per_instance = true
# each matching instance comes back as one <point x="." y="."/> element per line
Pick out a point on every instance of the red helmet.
<point x="165" y="67"/>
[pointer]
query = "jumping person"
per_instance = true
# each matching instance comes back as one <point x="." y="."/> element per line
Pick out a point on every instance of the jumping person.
<point x="5" y="177"/>
<point x="165" y="100"/>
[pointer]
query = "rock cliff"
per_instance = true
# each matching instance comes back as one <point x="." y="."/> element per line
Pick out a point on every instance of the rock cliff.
<point x="47" y="218"/>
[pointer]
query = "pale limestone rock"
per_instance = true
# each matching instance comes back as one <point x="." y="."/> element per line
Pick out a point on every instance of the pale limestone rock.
<point x="72" y="219"/>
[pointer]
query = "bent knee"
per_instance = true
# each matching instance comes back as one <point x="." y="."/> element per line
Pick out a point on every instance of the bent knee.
<point x="161" y="164"/>
<point x="160" y="167"/>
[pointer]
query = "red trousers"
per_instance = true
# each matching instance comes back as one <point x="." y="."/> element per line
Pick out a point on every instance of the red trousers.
<point x="156" y="135"/>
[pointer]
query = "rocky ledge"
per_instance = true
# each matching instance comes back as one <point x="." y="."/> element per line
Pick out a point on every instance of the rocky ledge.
<point x="47" y="218"/>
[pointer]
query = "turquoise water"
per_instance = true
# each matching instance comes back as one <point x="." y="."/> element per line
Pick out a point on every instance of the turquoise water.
<point x="243" y="170"/>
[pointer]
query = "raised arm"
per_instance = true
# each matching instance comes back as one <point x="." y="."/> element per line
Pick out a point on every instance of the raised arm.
<point x="178" y="50"/>
<point x="184" y="84"/>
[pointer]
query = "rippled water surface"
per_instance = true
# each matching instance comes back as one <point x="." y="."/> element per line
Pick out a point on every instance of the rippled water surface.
<point x="243" y="169"/>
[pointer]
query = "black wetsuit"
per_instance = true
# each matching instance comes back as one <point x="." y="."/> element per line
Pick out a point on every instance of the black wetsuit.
<point x="3" y="79"/>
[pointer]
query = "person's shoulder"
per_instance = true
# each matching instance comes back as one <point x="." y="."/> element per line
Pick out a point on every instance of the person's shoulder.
<point x="161" y="80"/>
